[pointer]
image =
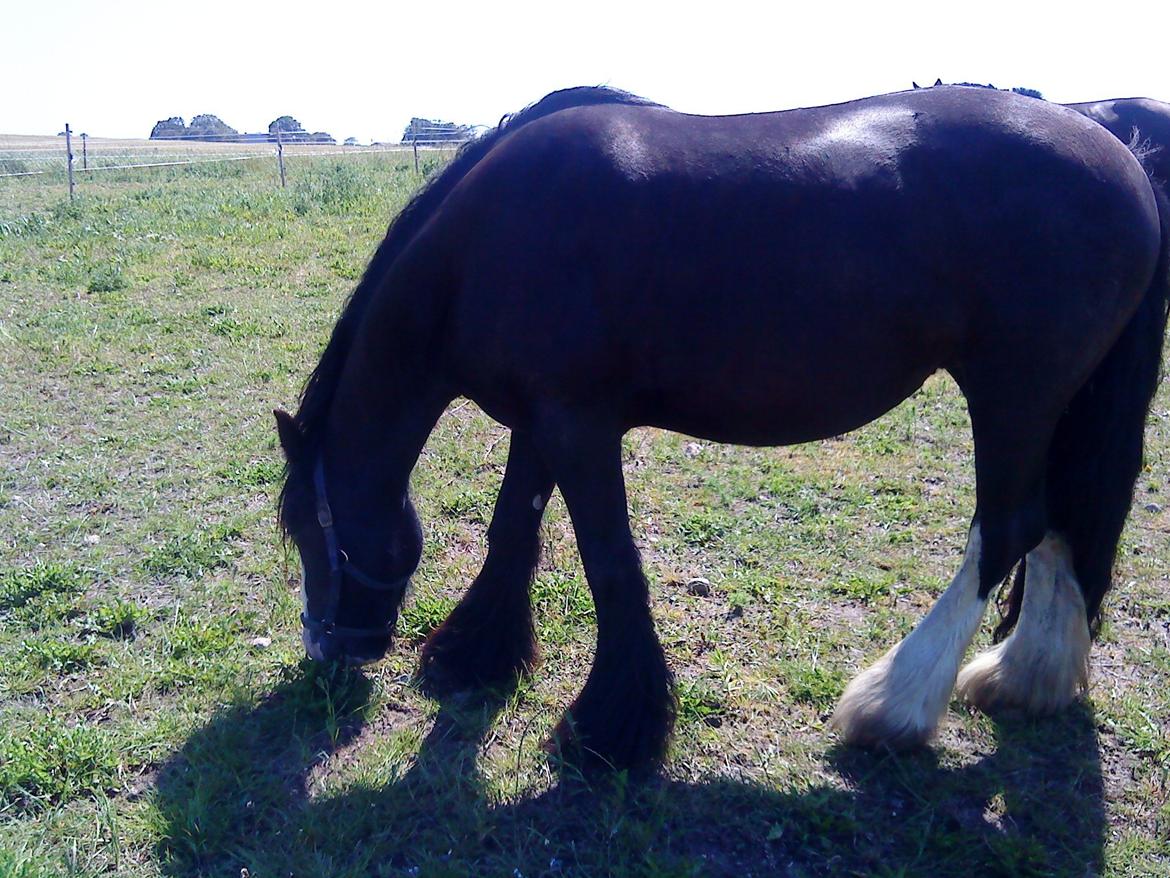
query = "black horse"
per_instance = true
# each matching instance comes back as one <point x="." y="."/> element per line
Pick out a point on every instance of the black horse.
<point x="599" y="262"/>
<point x="1142" y="122"/>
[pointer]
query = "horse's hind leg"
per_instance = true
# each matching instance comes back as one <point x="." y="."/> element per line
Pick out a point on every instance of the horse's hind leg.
<point x="624" y="715"/>
<point x="1043" y="665"/>
<point x="488" y="638"/>
<point x="899" y="700"/>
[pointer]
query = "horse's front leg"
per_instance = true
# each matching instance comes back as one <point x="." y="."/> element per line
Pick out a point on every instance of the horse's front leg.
<point x="488" y="639"/>
<point x="623" y="717"/>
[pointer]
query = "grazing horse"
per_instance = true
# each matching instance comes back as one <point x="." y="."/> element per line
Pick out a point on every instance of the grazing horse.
<point x="1142" y="122"/>
<point x="599" y="262"/>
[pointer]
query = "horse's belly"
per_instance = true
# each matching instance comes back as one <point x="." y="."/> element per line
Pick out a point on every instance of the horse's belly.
<point x="774" y="409"/>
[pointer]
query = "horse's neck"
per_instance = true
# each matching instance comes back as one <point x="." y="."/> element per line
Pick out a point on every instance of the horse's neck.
<point x="373" y="439"/>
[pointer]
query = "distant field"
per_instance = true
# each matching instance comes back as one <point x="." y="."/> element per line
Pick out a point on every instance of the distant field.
<point x="157" y="717"/>
<point x="33" y="143"/>
<point x="101" y="157"/>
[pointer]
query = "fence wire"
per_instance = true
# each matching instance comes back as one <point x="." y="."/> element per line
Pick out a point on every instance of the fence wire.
<point x="35" y="157"/>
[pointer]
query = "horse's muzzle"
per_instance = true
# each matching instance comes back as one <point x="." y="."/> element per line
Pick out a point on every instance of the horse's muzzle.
<point x="322" y="647"/>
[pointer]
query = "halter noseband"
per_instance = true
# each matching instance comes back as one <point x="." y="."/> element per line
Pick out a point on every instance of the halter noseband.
<point x="339" y="568"/>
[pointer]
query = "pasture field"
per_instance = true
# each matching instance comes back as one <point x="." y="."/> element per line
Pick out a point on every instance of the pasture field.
<point x="35" y="154"/>
<point x="156" y="713"/>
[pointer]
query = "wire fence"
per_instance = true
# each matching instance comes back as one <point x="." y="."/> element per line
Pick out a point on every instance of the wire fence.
<point x="72" y="158"/>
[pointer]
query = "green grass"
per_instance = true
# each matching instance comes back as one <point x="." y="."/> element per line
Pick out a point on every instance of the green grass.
<point x="157" y="716"/>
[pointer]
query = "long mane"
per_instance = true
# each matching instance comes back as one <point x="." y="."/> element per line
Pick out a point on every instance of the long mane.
<point x="318" y="392"/>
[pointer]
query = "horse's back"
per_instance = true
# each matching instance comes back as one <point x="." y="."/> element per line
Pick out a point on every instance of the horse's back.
<point x="776" y="277"/>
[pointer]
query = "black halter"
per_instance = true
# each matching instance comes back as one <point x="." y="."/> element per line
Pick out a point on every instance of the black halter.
<point x="339" y="568"/>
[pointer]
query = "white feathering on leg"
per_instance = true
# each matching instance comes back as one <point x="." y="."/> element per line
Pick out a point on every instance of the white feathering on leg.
<point x="899" y="700"/>
<point x="1043" y="665"/>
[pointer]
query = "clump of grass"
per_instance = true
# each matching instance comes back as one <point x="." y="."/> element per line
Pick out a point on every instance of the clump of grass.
<point x="67" y="209"/>
<point x="192" y="554"/>
<point x="195" y="639"/>
<point x="26" y="225"/>
<point x="421" y="615"/>
<point x="332" y="189"/>
<point x="865" y="589"/>
<point x="253" y="474"/>
<point x="20" y="585"/>
<point x="60" y="656"/>
<point x="107" y="279"/>
<point x="49" y="763"/>
<point x="117" y="620"/>
<point x="562" y="605"/>
<point x="199" y="651"/>
<point x="699" y="702"/>
<point x="40" y="594"/>
<point x="469" y="504"/>
<point x="704" y="528"/>
<point x="24" y="864"/>
<point x="814" y="684"/>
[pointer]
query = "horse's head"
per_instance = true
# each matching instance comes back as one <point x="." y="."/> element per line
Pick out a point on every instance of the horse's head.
<point x="357" y="550"/>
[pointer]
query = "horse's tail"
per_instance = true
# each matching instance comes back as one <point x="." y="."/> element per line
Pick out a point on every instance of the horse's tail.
<point x="1096" y="454"/>
<point x="317" y="393"/>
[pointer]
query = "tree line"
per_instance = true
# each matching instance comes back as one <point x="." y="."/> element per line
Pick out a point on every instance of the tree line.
<point x="210" y="127"/>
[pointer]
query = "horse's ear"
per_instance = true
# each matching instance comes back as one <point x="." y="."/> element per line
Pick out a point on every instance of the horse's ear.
<point x="938" y="81"/>
<point x="292" y="440"/>
<point x="915" y="84"/>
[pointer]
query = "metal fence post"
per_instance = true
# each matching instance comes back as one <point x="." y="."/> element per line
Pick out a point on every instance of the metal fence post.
<point x="280" y="157"/>
<point x="84" y="156"/>
<point x="69" y="158"/>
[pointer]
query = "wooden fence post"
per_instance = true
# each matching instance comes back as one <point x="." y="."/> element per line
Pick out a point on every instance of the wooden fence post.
<point x="414" y="141"/>
<point x="69" y="158"/>
<point x="280" y="157"/>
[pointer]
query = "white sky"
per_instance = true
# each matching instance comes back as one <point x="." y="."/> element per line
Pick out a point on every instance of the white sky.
<point x="113" y="68"/>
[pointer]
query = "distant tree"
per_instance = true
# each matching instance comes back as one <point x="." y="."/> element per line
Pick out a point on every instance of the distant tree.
<point x="288" y="128"/>
<point x="168" y="128"/>
<point x="432" y="130"/>
<point x="209" y="127"/>
<point x="1028" y="92"/>
<point x="320" y="137"/>
<point x="351" y="141"/>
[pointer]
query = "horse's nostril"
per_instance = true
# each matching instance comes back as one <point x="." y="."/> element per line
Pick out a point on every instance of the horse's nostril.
<point x="322" y="649"/>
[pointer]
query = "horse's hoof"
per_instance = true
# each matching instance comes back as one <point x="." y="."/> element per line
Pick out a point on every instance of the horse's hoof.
<point x="871" y="714"/>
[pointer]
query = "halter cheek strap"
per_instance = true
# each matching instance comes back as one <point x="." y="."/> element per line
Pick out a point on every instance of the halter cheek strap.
<point x="339" y="568"/>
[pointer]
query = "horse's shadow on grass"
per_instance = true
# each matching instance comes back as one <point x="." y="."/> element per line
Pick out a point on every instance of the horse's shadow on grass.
<point x="240" y="795"/>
